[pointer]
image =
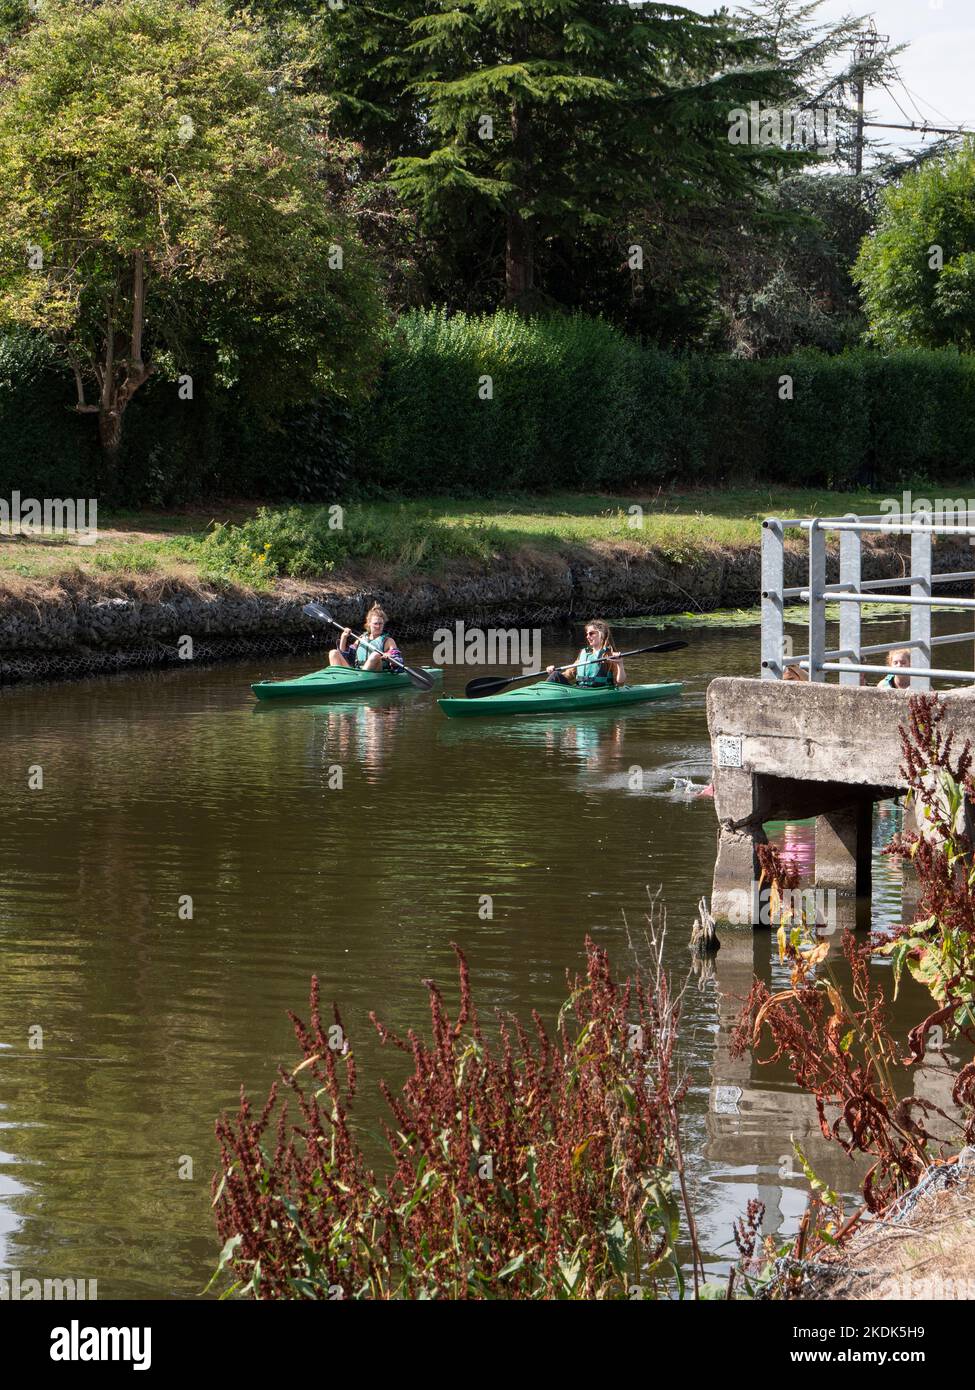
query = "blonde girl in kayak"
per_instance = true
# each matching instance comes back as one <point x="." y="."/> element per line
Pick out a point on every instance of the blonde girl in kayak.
<point x="366" y="653"/>
<point x="600" y="663"/>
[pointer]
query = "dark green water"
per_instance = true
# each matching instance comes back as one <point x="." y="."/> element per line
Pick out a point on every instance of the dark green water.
<point x="163" y="785"/>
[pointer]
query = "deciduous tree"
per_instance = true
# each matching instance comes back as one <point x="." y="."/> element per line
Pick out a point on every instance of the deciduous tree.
<point x="161" y="190"/>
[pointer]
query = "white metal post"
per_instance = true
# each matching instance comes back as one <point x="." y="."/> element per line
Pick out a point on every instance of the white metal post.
<point x="817" y="602"/>
<point x="920" y="612"/>
<point x="773" y="610"/>
<point x="850" y="552"/>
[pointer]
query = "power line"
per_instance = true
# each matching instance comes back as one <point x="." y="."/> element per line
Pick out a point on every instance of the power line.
<point x="866" y="43"/>
<point x="922" y="129"/>
<point x="898" y="105"/>
<point x="910" y="97"/>
<point x="931" y="104"/>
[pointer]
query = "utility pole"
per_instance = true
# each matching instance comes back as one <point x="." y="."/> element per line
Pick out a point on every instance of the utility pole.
<point x="867" y="41"/>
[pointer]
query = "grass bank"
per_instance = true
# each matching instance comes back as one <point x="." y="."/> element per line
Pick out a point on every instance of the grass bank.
<point x="253" y="547"/>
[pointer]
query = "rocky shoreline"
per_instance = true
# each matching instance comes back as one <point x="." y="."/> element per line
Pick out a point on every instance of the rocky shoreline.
<point x="81" y="626"/>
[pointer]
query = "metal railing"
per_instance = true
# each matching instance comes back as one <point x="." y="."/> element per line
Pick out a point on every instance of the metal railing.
<point x="852" y="592"/>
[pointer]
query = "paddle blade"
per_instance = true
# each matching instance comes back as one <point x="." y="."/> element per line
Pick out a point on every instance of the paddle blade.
<point x="486" y="685"/>
<point x="419" y="678"/>
<point x="318" y="610"/>
<point x="666" y="647"/>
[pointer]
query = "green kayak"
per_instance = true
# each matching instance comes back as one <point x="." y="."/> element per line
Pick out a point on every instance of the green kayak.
<point x="549" y="698"/>
<point x="338" y="681"/>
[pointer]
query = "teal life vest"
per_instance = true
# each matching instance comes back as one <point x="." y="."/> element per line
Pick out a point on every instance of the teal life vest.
<point x="366" y="646"/>
<point x="593" y="670"/>
<point x="888" y="683"/>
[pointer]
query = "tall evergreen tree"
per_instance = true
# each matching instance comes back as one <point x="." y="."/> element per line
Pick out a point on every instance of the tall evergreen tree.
<point x="559" y="115"/>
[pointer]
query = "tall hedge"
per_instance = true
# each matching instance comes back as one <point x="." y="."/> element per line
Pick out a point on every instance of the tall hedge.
<point x="575" y="404"/>
<point x="46" y="448"/>
<point x="494" y="403"/>
<point x="174" y="450"/>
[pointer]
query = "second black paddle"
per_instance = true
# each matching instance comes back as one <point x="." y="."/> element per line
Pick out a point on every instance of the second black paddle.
<point x="493" y="685"/>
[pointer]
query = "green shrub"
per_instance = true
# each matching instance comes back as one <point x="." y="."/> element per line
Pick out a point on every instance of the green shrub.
<point x="304" y="542"/>
<point x="577" y="405"/>
<point x="820" y="437"/>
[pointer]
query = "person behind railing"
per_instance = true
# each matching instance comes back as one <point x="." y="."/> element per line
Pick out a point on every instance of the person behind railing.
<point x="898" y="659"/>
<point x="794" y="673"/>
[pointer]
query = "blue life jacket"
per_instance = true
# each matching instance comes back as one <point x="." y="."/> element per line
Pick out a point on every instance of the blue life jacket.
<point x="366" y="646"/>
<point x="594" y="669"/>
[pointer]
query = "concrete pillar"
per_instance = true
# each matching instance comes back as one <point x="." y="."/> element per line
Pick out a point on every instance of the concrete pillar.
<point x="735" y="872"/>
<point x="739" y="812"/>
<point x="844" y="849"/>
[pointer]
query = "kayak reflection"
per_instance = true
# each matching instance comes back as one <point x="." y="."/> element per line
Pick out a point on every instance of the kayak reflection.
<point x="361" y="737"/>
<point x="355" y="737"/>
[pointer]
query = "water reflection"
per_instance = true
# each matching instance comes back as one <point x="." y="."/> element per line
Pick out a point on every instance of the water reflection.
<point x="169" y="784"/>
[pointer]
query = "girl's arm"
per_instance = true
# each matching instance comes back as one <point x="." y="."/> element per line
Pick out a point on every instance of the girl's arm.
<point x="617" y="671"/>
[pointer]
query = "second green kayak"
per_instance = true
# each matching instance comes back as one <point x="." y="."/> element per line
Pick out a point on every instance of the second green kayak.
<point x="549" y="698"/>
<point x="339" y="681"/>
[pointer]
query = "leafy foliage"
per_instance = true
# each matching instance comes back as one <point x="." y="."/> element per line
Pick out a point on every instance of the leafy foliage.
<point x="917" y="272"/>
<point x="574" y="405"/>
<point x="526" y="127"/>
<point x="526" y="1164"/>
<point x="307" y="542"/>
<point x="792" y="288"/>
<point x="161" y="210"/>
<point x="939" y="948"/>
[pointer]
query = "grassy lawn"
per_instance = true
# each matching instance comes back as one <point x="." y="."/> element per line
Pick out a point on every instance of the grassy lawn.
<point x="237" y="543"/>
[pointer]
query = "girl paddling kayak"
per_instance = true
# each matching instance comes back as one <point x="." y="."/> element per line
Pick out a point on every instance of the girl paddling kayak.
<point x="598" y="661"/>
<point x="370" y="651"/>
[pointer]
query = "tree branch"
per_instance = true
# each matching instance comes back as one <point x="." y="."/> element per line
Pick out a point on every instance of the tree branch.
<point x="79" y="383"/>
<point x="108" y="372"/>
<point x="138" y="313"/>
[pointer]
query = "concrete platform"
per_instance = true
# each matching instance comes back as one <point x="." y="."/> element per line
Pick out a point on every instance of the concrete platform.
<point x="784" y="749"/>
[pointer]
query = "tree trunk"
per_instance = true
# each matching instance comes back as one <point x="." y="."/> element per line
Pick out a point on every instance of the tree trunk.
<point x="519" y="267"/>
<point x="119" y="378"/>
<point x="519" y="270"/>
<point x="110" y="434"/>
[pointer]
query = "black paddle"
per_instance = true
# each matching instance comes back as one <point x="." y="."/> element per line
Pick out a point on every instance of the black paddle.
<point x="419" y="678"/>
<point x="491" y="685"/>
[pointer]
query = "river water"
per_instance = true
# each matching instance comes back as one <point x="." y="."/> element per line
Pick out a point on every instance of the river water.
<point x="172" y="785"/>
